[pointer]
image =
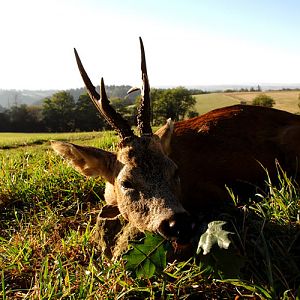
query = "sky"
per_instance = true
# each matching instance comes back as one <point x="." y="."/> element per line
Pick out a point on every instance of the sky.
<point x="187" y="43"/>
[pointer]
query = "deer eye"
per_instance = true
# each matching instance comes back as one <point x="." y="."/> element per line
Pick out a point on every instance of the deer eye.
<point x="126" y="184"/>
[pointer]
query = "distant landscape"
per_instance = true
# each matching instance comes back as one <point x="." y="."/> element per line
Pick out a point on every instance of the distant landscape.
<point x="13" y="97"/>
<point x="72" y="110"/>
<point x="287" y="100"/>
<point x="10" y="98"/>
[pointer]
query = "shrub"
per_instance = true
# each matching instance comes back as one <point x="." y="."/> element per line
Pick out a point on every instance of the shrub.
<point x="263" y="100"/>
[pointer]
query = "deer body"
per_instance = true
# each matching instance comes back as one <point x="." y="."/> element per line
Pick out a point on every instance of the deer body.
<point x="231" y="146"/>
<point x="158" y="181"/>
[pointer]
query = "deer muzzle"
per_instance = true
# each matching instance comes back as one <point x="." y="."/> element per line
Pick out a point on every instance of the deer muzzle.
<point x="181" y="227"/>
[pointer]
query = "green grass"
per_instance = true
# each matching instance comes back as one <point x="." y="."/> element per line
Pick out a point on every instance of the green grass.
<point x="48" y="250"/>
<point x="13" y="140"/>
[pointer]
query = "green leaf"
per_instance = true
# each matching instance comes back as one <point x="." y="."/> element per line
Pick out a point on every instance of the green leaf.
<point x="147" y="256"/>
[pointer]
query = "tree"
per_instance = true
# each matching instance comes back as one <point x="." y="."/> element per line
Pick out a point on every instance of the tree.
<point x="87" y="117"/>
<point x="263" y="100"/>
<point x="126" y="108"/>
<point x="4" y="121"/>
<point x="172" y="103"/>
<point x="24" y="118"/>
<point x="59" y="112"/>
<point x="192" y="114"/>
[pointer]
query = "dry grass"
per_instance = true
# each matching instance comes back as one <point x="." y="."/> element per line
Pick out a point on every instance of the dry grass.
<point x="207" y="102"/>
<point x="284" y="100"/>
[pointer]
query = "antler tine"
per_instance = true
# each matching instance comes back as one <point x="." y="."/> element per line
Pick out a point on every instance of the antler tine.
<point x="101" y="102"/>
<point x="144" y="111"/>
<point x="88" y="84"/>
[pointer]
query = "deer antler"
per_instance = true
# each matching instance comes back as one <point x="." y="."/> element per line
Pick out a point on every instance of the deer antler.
<point x="144" y="111"/>
<point x="101" y="102"/>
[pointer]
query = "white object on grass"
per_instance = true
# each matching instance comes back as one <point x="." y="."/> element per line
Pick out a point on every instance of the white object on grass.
<point x="213" y="235"/>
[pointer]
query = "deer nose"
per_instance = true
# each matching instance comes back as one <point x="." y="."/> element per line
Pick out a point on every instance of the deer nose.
<point x="180" y="227"/>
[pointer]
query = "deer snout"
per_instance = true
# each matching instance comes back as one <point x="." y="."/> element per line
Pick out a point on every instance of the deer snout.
<point x="180" y="227"/>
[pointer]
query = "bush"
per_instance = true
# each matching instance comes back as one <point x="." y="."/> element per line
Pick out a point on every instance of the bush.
<point x="263" y="100"/>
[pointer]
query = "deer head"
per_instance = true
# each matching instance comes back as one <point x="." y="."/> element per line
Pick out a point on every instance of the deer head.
<point x="142" y="181"/>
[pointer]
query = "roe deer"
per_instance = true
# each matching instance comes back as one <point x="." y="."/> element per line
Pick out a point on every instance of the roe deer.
<point x="159" y="182"/>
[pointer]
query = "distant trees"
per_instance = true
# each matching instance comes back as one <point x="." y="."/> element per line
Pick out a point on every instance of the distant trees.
<point x="263" y="100"/>
<point x="253" y="89"/>
<point x="174" y="103"/>
<point x="23" y="118"/>
<point x="58" y="112"/>
<point x="61" y="112"/>
<point x="126" y="108"/>
<point x="86" y="116"/>
<point x="4" y="121"/>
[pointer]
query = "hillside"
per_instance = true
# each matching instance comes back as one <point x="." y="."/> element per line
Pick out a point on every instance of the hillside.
<point x="12" y="97"/>
<point x="284" y="100"/>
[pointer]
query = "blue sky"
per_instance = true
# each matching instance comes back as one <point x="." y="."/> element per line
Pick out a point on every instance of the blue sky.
<point x="204" y="42"/>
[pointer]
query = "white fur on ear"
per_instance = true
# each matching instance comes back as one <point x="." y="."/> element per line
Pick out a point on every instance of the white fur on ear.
<point x="170" y="123"/>
<point x="165" y="134"/>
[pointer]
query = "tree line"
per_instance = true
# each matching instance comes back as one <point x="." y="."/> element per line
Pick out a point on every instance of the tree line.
<point x="62" y="112"/>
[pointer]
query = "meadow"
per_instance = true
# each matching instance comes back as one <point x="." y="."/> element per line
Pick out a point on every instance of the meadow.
<point x="284" y="100"/>
<point x="48" y="248"/>
<point x="10" y="140"/>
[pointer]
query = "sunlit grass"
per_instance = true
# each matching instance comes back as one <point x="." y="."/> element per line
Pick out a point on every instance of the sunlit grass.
<point x="13" y="140"/>
<point x="48" y="251"/>
<point x="268" y="236"/>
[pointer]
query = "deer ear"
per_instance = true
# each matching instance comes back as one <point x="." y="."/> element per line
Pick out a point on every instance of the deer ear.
<point x="88" y="161"/>
<point x="165" y="134"/>
<point x="109" y="212"/>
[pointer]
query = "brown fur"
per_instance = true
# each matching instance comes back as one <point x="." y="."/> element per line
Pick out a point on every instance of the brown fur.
<point x="229" y="146"/>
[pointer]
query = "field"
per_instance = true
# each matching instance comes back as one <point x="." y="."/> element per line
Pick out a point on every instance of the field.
<point x="14" y="140"/>
<point x="48" y="248"/>
<point x="284" y="100"/>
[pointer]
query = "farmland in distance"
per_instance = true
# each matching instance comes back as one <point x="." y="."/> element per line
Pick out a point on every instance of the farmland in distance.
<point x="284" y="100"/>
